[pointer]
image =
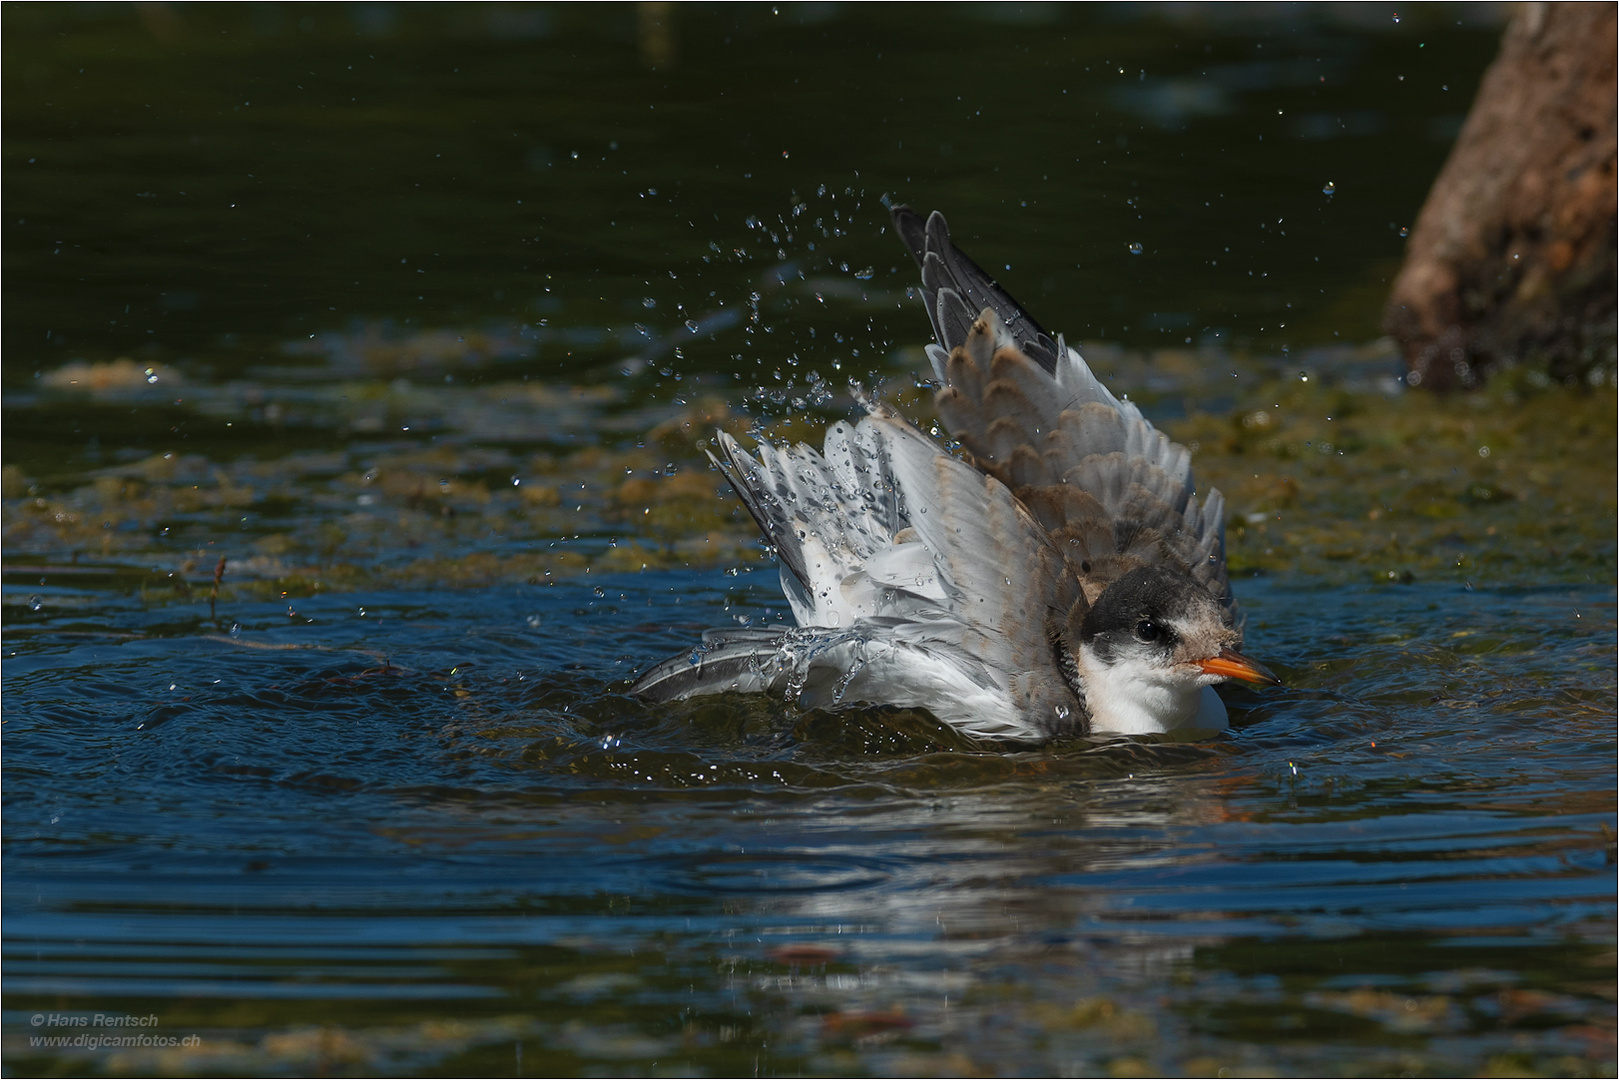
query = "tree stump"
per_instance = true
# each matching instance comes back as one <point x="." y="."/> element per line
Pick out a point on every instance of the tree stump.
<point x="1512" y="258"/>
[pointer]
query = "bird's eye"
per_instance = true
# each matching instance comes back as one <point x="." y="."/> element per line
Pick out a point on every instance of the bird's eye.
<point x="1147" y="630"/>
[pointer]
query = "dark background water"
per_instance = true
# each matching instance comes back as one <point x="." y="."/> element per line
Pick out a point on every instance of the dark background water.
<point x="210" y="181"/>
<point x="395" y="306"/>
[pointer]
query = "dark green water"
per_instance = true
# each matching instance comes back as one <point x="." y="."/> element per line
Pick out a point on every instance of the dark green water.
<point x="211" y="182"/>
<point x="414" y="315"/>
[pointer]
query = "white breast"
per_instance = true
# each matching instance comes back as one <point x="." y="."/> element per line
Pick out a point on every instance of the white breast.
<point x="1133" y="698"/>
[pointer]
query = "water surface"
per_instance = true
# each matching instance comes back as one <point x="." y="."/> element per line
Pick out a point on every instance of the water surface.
<point x="351" y="472"/>
<point x="439" y="827"/>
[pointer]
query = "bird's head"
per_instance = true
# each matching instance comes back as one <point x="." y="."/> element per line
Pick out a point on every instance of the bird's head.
<point x="1160" y="627"/>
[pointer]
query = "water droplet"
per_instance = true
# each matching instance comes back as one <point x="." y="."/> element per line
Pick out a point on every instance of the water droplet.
<point x="1328" y="188"/>
<point x="1405" y="230"/>
<point x="35" y="603"/>
<point x="1135" y="248"/>
<point x="599" y="591"/>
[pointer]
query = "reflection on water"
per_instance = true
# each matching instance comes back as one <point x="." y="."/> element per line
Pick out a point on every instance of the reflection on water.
<point x="1398" y="863"/>
<point x="356" y="359"/>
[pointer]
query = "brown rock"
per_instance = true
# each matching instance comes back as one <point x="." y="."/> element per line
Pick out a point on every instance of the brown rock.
<point x="1512" y="260"/>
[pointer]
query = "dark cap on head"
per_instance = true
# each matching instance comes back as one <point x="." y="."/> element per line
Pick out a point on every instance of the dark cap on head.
<point x="1145" y="602"/>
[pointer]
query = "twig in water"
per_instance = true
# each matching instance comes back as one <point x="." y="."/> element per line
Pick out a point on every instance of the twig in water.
<point x="219" y="575"/>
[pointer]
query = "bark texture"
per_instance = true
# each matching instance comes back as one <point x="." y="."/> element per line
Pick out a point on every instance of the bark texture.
<point x="1512" y="260"/>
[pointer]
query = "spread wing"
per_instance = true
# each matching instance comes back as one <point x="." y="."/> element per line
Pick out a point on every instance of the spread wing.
<point x="832" y="519"/>
<point x="1006" y="581"/>
<point x="1111" y="491"/>
<point x="957" y="289"/>
<point x="916" y="580"/>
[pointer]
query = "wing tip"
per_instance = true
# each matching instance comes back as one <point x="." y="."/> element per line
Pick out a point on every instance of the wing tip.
<point x="911" y="229"/>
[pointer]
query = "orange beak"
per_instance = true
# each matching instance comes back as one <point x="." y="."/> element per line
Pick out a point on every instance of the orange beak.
<point x="1230" y="664"/>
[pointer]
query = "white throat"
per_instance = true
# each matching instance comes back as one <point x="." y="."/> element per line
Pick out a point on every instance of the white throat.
<point x="1130" y="697"/>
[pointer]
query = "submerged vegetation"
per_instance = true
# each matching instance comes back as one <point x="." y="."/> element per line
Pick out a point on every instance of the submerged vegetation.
<point x="1324" y="481"/>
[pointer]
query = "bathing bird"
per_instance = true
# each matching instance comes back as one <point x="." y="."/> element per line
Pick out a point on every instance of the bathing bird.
<point x="1050" y="574"/>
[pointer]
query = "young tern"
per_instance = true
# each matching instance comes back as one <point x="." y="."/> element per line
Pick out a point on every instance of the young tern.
<point x="1057" y="577"/>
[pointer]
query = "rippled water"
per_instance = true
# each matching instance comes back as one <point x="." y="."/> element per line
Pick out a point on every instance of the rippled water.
<point x="432" y="819"/>
<point x="324" y="576"/>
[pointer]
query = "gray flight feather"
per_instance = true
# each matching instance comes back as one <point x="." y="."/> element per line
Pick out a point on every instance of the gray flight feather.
<point x="957" y="289"/>
<point x="956" y="606"/>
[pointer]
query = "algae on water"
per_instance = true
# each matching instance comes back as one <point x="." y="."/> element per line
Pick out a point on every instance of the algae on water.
<point x="1327" y="480"/>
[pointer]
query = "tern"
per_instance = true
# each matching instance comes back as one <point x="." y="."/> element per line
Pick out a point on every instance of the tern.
<point x="1056" y="575"/>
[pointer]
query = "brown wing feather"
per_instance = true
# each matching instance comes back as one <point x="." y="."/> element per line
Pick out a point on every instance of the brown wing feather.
<point x="1111" y="492"/>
